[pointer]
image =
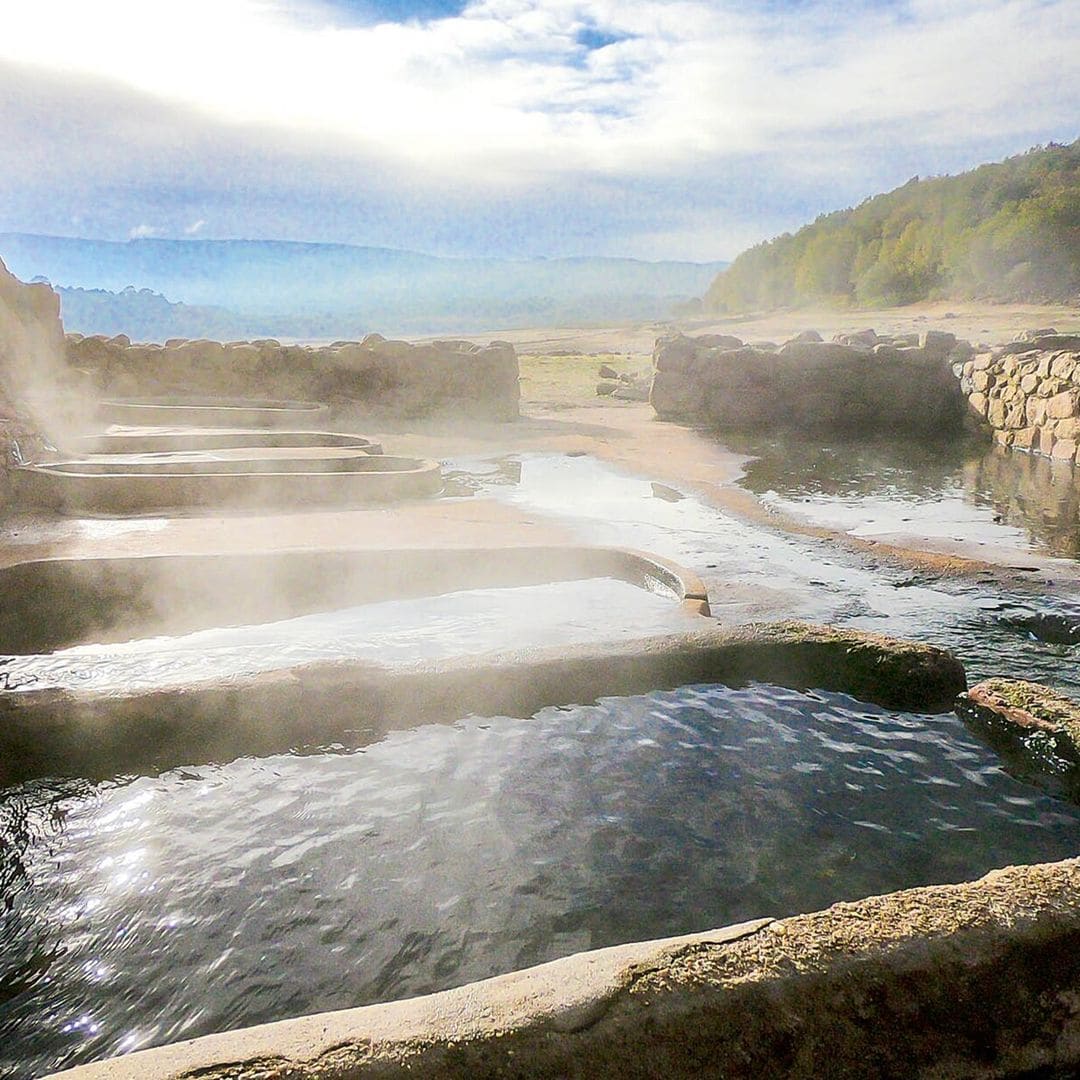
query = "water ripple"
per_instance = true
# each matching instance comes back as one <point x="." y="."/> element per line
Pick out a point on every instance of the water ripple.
<point x="155" y="909"/>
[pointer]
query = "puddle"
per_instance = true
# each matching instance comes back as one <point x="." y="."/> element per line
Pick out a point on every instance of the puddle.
<point x="804" y="578"/>
<point x="953" y="491"/>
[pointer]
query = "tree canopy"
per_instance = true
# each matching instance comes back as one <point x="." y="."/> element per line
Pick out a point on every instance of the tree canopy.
<point x="1009" y="231"/>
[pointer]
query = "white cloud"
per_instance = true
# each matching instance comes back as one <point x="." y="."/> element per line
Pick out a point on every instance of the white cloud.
<point x="505" y="87"/>
<point x="273" y="116"/>
<point x="143" y="232"/>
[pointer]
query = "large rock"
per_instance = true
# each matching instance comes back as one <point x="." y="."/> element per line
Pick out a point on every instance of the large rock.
<point x="808" y="385"/>
<point x="675" y="396"/>
<point x="1037" y="727"/>
<point x="41" y="397"/>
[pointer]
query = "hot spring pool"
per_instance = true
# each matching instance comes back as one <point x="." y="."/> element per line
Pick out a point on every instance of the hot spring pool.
<point x="142" y="911"/>
<point x="424" y="628"/>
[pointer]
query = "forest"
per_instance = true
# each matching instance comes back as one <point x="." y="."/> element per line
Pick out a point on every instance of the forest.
<point x="1003" y="231"/>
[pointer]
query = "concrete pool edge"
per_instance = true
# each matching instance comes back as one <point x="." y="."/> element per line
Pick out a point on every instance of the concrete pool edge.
<point x="51" y="732"/>
<point x="156" y="440"/>
<point x="53" y="603"/>
<point x="371" y="478"/>
<point x="979" y="979"/>
<point x="202" y="411"/>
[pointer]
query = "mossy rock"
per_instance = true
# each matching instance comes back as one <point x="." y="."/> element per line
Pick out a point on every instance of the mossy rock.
<point x="1036" y="729"/>
<point x="871" y="667"/>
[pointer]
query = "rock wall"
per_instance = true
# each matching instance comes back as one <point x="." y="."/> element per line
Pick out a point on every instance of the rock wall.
<point x="392" y="376"/>
<point x="1028" y="392"/>
<point x="36" y="391"/>
<point x="857" y="382"/>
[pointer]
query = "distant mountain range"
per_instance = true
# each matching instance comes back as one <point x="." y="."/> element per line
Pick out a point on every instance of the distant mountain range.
<point x="153" y="289"/>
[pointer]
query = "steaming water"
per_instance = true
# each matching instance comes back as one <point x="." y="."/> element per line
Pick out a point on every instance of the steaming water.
<point x="426" y="628"/>
<point x="146" y="911"/>
<point x="807" y="579"/>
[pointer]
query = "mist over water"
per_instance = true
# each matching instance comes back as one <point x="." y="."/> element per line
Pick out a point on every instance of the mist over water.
<point x="149" y="909"/>
<point x="391" y="632"/>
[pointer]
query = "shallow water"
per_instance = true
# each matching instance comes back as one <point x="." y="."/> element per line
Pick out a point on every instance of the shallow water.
<point x="808" y="579"/>
<point x="395" y="631"/>
<point x="958" y="491"/>
<point x="146" y="910"/>
<point x="207" y="898"/>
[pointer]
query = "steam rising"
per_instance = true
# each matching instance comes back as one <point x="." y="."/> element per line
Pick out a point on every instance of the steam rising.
<point x="40" y="400"/>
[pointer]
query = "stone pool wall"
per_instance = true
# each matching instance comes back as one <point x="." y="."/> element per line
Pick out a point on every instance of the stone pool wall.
<point x="858" y="382"/>
<point x="395" y="377"/>
<point x="1028" y="392"/>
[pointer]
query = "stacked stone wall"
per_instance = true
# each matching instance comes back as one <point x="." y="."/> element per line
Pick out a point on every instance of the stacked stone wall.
<point x="1028" y="393"/>
<point x="858" y="382"/>
<point x="394" y="377"/>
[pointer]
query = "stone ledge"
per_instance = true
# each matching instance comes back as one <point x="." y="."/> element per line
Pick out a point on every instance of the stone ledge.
<point x="51" y="731"/>
<point x="1033" y="726"/>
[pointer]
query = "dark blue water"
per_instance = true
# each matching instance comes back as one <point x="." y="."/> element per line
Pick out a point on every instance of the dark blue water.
<point x="143" y="911"/>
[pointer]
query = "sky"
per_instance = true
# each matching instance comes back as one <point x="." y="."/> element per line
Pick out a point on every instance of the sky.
<point x="685" y="129"/>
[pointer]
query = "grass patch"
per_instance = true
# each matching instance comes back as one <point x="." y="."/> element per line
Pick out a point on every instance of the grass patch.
<point x="570" y="381"/>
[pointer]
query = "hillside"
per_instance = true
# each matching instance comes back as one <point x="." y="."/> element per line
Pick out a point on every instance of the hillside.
<point x="333" y="290"/>
<point x="1006" y="231"/>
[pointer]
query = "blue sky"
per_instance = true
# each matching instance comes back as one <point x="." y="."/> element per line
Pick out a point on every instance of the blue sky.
<point x="650" y="128"/>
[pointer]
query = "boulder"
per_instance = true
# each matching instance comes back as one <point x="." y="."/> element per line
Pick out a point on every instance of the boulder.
<point x="937" y="342"/>
<point x="866" y="337"/>
<point x="674" y="353"/>
<point x="718" y="341"/>
<point x="1036" y="726"/>
<point x="675" y="396"/>
<point x="1049" y="626"/>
